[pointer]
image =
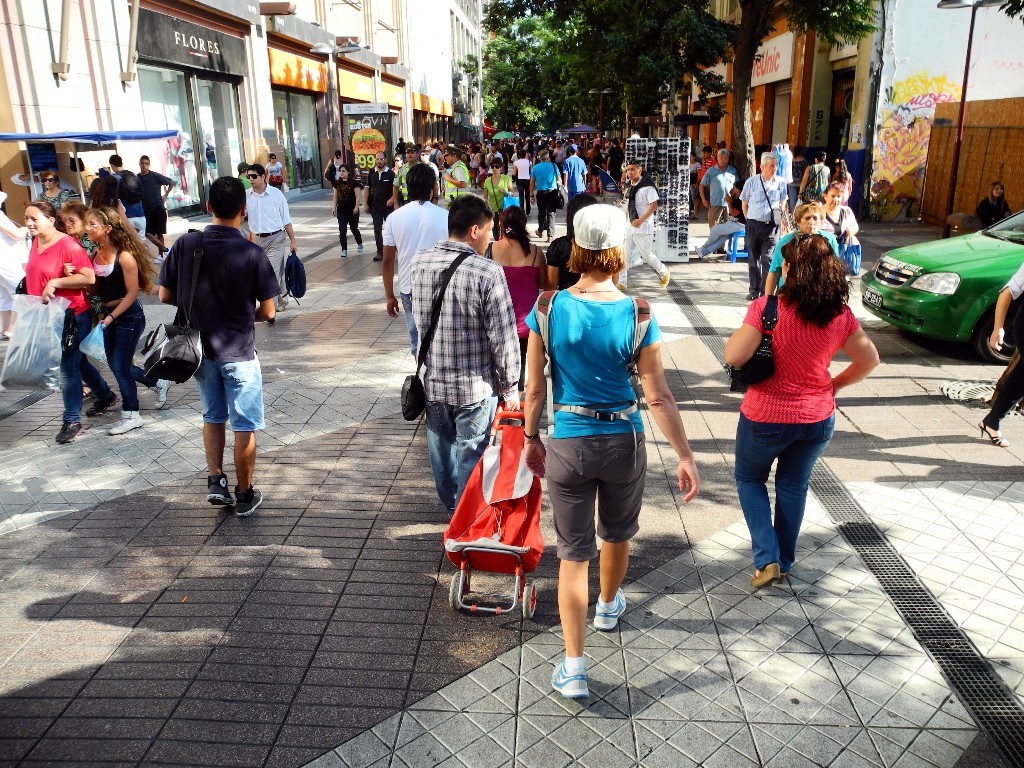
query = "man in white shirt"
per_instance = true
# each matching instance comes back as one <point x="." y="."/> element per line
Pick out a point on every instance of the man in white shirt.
<point x="762" y="197"/>
<point x="642" y="203"/>
<point x="416" y="226"/>
<point x="269" y="221"/>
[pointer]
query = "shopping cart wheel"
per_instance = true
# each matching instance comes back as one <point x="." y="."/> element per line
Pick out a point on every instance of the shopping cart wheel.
<point x="453" y="592"/>
<point x="529" y="600"/>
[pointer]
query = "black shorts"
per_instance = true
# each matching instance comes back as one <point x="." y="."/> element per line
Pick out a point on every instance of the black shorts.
<point x="156" y="221"/>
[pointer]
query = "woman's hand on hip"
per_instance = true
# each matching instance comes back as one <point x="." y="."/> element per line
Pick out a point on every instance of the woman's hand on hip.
<point x="536" y="453"/>
<point x="689" y="479"/>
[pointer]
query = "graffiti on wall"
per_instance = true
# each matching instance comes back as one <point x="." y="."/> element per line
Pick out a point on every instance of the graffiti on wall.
<point x="901" y="145"/>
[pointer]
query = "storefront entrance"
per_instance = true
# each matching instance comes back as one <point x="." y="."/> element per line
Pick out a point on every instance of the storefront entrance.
<point x="295" y="120"/>
<point x="197" y="96"/>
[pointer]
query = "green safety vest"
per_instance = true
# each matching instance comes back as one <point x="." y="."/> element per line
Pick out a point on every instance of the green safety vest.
<point x="450" y="190"/>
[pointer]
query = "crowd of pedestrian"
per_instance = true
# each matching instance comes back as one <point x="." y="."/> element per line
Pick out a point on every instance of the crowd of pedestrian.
<point x="492" y="318"/>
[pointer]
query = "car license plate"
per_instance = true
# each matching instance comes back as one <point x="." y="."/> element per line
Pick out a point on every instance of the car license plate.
<point x="873" y="297"/>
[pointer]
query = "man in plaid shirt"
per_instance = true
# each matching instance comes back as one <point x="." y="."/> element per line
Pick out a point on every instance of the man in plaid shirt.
<point x="474" y="357"/>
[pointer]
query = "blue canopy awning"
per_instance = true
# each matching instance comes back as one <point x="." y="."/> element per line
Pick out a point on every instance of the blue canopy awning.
<point x="89" y="137"/>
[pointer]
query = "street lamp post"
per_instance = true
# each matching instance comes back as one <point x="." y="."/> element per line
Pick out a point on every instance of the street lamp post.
<point x="600" y="107"/>
<point x="974" y="5"/>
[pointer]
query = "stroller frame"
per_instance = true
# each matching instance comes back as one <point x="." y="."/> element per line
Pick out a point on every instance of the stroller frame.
<point x="460" y="587"/>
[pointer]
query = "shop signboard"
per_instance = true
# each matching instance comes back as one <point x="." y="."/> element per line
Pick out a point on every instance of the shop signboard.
<point x="367" y="132"/>
<point x="294" y="71"/>
<point x="174" y="41"/>
<point x="774" y="60"/>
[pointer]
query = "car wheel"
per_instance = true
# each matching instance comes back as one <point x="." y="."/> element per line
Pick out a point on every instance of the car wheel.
<point x="982" y="332"/>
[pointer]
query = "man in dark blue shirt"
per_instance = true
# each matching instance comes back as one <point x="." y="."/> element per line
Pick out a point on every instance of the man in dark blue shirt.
<point x="236" y="286"/>
<point x="154" y="201"/>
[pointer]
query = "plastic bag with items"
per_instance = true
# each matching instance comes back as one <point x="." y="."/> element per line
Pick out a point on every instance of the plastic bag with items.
<point x="34" y="352"/>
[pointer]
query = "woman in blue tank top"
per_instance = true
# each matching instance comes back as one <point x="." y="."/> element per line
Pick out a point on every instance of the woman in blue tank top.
<point x="596" y="454"/>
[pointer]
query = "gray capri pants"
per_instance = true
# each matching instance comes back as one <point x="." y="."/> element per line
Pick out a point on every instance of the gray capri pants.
<point x="603" y="467"/>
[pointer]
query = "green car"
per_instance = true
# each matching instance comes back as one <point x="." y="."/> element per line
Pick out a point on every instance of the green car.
<point x="947" y="289"/>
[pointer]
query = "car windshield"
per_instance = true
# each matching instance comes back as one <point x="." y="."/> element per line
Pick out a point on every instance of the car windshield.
<point x="1011" y="228"/>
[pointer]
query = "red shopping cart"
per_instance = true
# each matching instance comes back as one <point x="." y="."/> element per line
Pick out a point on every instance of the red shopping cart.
<point x="496" y="525"/>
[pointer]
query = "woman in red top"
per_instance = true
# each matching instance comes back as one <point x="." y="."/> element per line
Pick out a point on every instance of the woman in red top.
<point x="45" y="276"/>
<point x="790" y="416"/>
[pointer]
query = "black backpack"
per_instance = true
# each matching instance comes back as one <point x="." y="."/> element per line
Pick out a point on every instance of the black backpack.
<point x="130" y="188"/>
<point x="295" y="277"/>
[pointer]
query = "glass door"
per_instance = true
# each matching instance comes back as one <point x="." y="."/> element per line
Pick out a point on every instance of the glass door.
<point x="165" y="105"/>
<point x="219" y="149"/>
<point x="283" y="126"/>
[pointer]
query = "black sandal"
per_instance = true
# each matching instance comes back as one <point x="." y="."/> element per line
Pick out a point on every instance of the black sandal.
<point x="997" y="439"/>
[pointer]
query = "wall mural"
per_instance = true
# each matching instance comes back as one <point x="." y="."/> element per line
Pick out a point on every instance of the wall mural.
<point x="901" y="144"/>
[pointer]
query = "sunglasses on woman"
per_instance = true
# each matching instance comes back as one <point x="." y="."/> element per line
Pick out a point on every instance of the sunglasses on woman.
<point x="50" y="178"/>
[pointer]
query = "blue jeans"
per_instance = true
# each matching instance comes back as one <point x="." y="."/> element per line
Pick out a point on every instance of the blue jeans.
<point x="797" y="447"/>
<point x="456" y="438"/>
<point x="120" y="341"/>
<point x="410" y="322"/>
<point x="76" y="368"/>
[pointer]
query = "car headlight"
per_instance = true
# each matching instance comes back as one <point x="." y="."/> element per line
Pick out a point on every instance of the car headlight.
<point x="942" y="283"/>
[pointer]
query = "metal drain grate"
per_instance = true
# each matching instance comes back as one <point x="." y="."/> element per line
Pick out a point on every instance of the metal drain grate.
<point x="21" y="403"/>
<point x="977" y="685"/>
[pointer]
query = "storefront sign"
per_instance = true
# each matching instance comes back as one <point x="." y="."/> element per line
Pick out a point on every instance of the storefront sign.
<point x="367" y="132"/>
<point x="352" y="85"/>
<point x="167" y="39"/>
<point x="431" y="104"/>
<point x="296" y="71"/>
<point x="774" y="60"/>
<point x="393" y="94"/>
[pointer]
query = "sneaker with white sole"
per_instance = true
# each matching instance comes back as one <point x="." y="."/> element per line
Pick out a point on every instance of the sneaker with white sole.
<point x="570" y="686"/>
<point x="161" y="388"/>
<point x="217" y="492"/>
<point x="129" y="420"/>
<point x="246" y="502"/>
<point x="606" y="616"/>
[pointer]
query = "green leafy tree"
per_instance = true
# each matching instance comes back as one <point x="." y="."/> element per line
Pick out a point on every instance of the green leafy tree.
<point x="641" y="49"/>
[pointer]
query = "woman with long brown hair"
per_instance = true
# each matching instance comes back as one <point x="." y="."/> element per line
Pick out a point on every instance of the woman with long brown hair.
<point x="123" y="269"/>
<point x="51" y="253"/>
<point x="790" y="415"/>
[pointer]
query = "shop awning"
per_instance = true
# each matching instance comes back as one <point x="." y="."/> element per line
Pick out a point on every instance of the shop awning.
<point x="84" y="141"/>
<point x="91" y="137"/>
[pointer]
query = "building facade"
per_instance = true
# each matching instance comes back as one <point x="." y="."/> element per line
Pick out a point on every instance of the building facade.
<point x="238" y="79"/>
<point x="873" y="102"/>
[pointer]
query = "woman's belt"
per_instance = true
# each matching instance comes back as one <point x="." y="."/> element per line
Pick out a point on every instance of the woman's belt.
<point x="582" y="410"/>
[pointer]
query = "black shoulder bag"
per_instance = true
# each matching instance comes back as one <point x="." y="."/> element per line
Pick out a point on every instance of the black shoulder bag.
<point x="173" y="351"/>
<point x="762" y="365"/>
<point x="414" y="398"/>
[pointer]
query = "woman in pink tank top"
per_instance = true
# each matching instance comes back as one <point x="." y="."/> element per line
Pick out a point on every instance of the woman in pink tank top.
<point x="790" y="415"/>
<point x="525" y="272"/>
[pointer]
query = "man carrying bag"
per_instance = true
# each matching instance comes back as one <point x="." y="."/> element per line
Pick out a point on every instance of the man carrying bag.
<point x="234" y="286"/>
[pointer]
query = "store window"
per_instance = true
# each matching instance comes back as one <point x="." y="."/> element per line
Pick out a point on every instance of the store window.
<point x="165" y="104"/>
<point x="218" y="118"/>
<point x="297" y="132"/>
<point x="780" y="114"/>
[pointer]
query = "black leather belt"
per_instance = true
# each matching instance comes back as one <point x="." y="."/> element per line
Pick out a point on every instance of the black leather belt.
<point x="758" y="221"/>
<point x="268" y="234"/>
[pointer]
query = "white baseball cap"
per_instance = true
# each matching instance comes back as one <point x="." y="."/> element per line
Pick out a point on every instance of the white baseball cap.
<point x="599" y="227"/>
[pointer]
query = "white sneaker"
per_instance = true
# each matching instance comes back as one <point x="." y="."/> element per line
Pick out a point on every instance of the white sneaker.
<point x="282" y="303"/>
<point x="161" y="388"/>
<point x="129" y="420"/>
<point x="606" y="616"/>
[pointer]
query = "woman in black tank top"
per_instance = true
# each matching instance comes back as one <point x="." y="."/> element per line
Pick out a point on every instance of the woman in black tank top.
<point x="123" y="269"/>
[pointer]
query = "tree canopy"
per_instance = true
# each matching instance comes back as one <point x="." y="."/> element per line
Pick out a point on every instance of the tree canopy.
<point x="547" y="54"/>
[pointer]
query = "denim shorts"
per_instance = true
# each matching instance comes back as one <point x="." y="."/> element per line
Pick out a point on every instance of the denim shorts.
<point x="232" y="390"/>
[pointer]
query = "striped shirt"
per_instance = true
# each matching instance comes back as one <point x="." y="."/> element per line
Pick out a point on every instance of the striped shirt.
<point x="475" y="351"/>
<point x="800" y="390"/>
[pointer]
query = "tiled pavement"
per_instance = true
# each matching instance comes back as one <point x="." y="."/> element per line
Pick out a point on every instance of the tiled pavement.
<point x="144" y="628"/>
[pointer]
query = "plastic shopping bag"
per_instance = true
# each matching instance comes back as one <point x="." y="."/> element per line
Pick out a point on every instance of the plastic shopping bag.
<point x="34" y="352"/>
<point x="850" y="253"/>
<point x="92" y="345"/>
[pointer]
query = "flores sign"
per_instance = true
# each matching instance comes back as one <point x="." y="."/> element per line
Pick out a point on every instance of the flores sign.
<point x="167" y="39"/>
<point x="774" y="60"/>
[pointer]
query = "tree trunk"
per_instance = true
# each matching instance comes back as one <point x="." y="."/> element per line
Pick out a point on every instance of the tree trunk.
<point x="754" y="25"/>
